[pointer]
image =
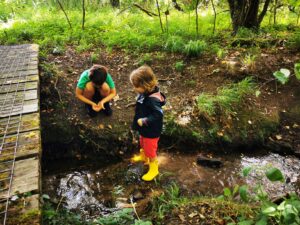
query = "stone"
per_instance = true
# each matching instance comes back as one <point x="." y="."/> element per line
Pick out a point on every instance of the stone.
<point x="209" y="162"/>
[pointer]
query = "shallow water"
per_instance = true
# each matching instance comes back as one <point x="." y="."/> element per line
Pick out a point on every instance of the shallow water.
<point x="98" y="189"/>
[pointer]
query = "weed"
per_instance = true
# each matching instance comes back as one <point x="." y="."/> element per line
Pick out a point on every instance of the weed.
<point x="249" y="62"/>
<point x="94" y="57"/>
<point x="145" y="59"/>
<point x="195" y="48"/>
<point x="179" y="66"/>
<point x="174" y="44"/>
<point x="294" y="40"/>
<point x="226" y="97"/>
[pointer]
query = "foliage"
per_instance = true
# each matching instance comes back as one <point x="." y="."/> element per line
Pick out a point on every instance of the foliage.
<point x="286" y="213"/>
<point x="282" y="76"/>
<point x="294" y="40"/>
<point x="167" y="201"/>
<point x="179" y="66"/>
<point x="226" y="97"/>
<point x="195" y="48"/>
<point x="50" y="216"/>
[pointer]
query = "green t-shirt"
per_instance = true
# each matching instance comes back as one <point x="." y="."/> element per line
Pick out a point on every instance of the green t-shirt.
<point x="84" y="78"/>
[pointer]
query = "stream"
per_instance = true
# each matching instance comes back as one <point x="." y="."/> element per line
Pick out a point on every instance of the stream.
<point x="94" y="189"/>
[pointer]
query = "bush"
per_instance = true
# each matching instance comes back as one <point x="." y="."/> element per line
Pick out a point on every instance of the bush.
<point x="195" y="48"/>
<point x="226" y="98"/>
<point x="294" y="41"/>
<point x="174" y="44"/>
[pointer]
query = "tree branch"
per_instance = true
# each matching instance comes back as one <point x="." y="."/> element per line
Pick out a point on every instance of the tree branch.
<point x="145" y="10"/>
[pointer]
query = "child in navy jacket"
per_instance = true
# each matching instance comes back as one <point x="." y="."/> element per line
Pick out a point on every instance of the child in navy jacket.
<point x="148" y="119"/>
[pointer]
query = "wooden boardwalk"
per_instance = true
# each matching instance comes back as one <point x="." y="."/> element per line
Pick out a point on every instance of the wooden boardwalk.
<point x="20" y="149"/>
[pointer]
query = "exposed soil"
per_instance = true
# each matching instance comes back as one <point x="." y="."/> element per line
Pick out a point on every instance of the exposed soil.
<point x="203" y="74"/>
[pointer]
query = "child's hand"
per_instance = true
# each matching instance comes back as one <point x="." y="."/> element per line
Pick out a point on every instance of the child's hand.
<point x="101" y="105"/>
<point x="140" y="122"/>
<point x="96" y="107"/>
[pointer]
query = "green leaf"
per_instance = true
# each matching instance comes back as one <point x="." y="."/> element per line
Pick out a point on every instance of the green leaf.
<point x="269" y="210"/>
<point x="235" y="190"/>
<point x="243" y="193"/>
<point x="246" y="171"/>
<point x="297" y="70"/>
<point x="262" y="221"/>
<point x="257" y="93"/>
<point x="246" y="222"/>
<point x="274" y="174"/>
<point x="280" y="76"/>
<point x="227" y="192"/>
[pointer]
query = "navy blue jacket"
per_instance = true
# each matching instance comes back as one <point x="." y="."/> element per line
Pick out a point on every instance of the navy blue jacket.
<point x="149" y="109"/>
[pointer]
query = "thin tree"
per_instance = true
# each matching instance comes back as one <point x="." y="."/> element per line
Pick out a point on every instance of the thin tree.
<point x="83" y="14"/>
<point x="62" y="8"/>
<point x="215" y="14"/>
<point x="196" y="10"/>
<point x="158" y="9"/>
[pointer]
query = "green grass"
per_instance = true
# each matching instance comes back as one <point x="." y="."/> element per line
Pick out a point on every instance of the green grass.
<point x="226" y="97"/>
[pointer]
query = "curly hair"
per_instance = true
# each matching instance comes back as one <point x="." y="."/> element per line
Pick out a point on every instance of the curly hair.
<point x="144" y="77"/>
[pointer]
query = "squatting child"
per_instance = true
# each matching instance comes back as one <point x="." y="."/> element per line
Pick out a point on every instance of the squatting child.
<point x="148" y="119"/>
<point x="96" y="88"/>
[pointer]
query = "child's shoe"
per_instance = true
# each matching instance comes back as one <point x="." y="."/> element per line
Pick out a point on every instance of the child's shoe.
<point x="153" y="171"/>
<point x="141" y="157"/>
<point x="107" y="111"/>
<point x="90" y="110"/>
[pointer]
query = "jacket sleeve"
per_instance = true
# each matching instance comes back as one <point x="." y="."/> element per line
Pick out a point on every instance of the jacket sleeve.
<point x="156" y="112"/>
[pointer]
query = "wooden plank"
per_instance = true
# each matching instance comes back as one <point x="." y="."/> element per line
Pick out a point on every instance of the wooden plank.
<point x="25" y="210"/>
<point x="19" y="79"/>
<point x="20" y="87"/>
<point x="26" y="176"/>
<point x="28" y="122"/>
<point x="17" y="74"/>
<point x="29" y="144"/>
<point x="10" y="97"/>
<point x="28" y="107"/>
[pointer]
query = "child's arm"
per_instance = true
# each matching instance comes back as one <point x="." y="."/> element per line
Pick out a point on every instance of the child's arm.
<point x="156" y="113"/>
<point x="111" y="95"/>
<point x="80" y="96"/>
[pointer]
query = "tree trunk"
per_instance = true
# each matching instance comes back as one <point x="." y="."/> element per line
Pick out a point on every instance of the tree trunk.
<point x="215" y="15"/>
<point x="83" y="14"/>
<point x="115" y="3"/>
<point x="275" y="12"/>
<point x="62" y="8"/>
<point x="197" y="24"/>
<point x="158" y="9"/>
<point x="244" y="13"/>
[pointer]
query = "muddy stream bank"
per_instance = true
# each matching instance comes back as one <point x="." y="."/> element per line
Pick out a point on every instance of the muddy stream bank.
<point x="98" y="188"/>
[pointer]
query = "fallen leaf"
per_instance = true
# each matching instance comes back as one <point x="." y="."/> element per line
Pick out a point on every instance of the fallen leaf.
<point x="193" y="214"/>
<point x="278" y="137"/>
<point x="109" y="126"/>
<point x="101" y="126"/>
<point x="182" y="217"/>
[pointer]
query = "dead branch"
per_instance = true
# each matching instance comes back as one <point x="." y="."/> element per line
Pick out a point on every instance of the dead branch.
<point x="130" y="104"/>
<point x="145" y="10"/>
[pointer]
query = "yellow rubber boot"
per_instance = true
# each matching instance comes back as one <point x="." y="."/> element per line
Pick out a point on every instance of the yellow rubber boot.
<point x="140" y="157"/>
<point x="153" y="171"/>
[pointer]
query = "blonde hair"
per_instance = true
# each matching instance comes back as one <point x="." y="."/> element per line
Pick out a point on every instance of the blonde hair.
<point x="143" y="77"/>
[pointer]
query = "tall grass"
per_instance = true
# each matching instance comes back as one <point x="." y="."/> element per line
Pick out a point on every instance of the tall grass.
<point x="226" y="98"/>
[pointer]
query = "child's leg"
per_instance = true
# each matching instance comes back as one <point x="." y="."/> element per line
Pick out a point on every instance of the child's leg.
<point x="141" y="156"/>
<point x="150" y="147"/>
<point x="104" y="92"/>
<point x="89" y="91"/>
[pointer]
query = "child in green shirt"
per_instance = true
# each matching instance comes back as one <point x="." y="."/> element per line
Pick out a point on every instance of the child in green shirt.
<point x="96" y="88"/>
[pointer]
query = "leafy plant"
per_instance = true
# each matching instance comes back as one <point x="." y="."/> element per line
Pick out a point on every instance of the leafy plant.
<point x="195" y="48"/>
<point x="179" y="66"/>
<point x="282" y="76"/>
<point x="226" y="98"/>
<point x="124" y="216"/>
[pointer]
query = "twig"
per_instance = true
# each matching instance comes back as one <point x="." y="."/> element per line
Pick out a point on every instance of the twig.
<point x="166" y="79"/>
<point x="133" y="206"/>
<point x="145" y="10"/>
<point x="55" y="86"/>
<point x="130" y="104"/>
<point x="62" y="197"/>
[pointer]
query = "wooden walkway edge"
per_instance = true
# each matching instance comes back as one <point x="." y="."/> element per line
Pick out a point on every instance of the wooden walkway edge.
<point x="20" y="150"/>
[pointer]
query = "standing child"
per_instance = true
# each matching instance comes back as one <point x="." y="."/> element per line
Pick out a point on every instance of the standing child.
<point x="96" y="88"/>
<point x="148" y="119"/>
